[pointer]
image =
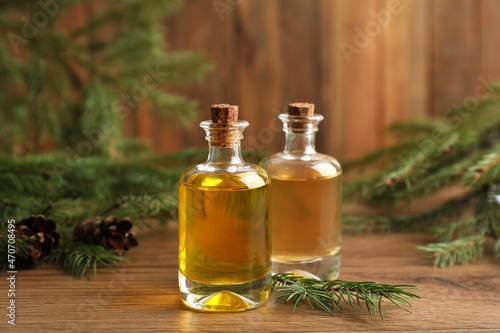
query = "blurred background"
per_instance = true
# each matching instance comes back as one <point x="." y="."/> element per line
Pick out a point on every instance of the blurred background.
<point x="364" y="64"/>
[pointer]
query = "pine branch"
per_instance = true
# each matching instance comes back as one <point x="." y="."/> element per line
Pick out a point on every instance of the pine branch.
<point x="68" y="85"/>
<point x="380" y="156"/>
<point x="457" y="229"/>
<point x="459" y="250"/>
<point x="188" y="156"/>
<point x="183" y="66"/>
<point x="486" y="170"/>
<point x="433" y="181"/>
<point x="417" y="163"/>
<point x="77" y="258"/>
<point x="177" y="110"/>
<point x="72" y="191"/>
<point x="362" y="188"/>
<point x="490" y="211"/>
<point x="418" y="127"/>
<point x="328" y="295"/>
<point x="462" y="150"/>
<point x="407" y="170"/>
<point x="140" y="207"/>
<point x="458" y="112"/>
<point x="447" y="211"/>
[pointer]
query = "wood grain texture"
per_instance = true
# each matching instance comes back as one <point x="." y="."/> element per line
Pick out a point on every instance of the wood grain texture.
<point x="270" y="53"/>
<point x="457" y="45"/>
<point x="490" y="45"/>
<point x="420" y="35"/>
<point x="360" y="83"/>
<point x="200" y="26"/>
<point x="330" y="64"/>
<point x="257" y="77"/>
<point x="144" y="296"/>
<point x="396" y="64"/>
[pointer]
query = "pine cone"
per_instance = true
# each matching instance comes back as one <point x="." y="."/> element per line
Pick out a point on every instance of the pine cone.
<point x="40" y="233"/>
<point x="107" y="232"/>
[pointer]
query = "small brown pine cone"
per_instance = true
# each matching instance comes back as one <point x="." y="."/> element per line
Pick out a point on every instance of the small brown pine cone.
<point x="107" y="232"/>
<point x="40" y="233"/>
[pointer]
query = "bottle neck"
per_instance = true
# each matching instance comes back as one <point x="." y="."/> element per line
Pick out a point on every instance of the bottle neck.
<point x="224" y="142"/>
<point x="302" y="142"/>
<point x="225" y="155"/>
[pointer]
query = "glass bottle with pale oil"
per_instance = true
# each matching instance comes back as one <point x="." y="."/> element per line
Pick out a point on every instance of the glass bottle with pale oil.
<point x="224" y="223"/>
<point x="306" y="197"/>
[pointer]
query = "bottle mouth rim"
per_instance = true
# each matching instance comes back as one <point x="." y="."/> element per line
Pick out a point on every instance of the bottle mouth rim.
<point x="208" y="125"/>
<point x="296" y="119"/>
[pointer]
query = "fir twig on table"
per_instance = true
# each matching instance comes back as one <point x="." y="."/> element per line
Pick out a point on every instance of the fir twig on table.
<point x="329" y="295"/>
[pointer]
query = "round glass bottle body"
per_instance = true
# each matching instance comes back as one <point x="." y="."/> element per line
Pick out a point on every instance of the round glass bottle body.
<point x="306" y="196"/>
<point x="224" y="228"/>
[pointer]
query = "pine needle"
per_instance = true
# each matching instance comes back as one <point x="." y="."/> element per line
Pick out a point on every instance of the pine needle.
<point x="459" y="250"/>
<point x="328" y="295"/>
<point x="78" y="258"/>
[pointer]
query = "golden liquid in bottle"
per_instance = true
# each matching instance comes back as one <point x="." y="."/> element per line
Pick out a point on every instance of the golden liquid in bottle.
<point x="306" y="218"/>
<point x="224" y="230"/>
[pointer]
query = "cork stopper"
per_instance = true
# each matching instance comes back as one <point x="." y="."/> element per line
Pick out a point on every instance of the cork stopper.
<point x="302" y="110"/>
<point x="224" y="115"/>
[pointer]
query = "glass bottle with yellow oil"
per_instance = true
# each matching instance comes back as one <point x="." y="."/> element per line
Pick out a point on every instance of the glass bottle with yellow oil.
<point x="306" y="198"/>
<point x="224" y="223"/>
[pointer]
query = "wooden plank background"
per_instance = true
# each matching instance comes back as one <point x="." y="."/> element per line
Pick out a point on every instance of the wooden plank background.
<point x="426" y="55"/>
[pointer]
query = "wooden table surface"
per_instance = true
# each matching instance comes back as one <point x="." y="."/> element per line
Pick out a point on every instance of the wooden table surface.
<point x="144" y="296"/>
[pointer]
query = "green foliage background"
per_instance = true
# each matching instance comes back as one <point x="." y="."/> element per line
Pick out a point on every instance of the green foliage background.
<point x="78" y="84"/>
<point x="460" y="149"/>
<point x="70" y="89"/>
